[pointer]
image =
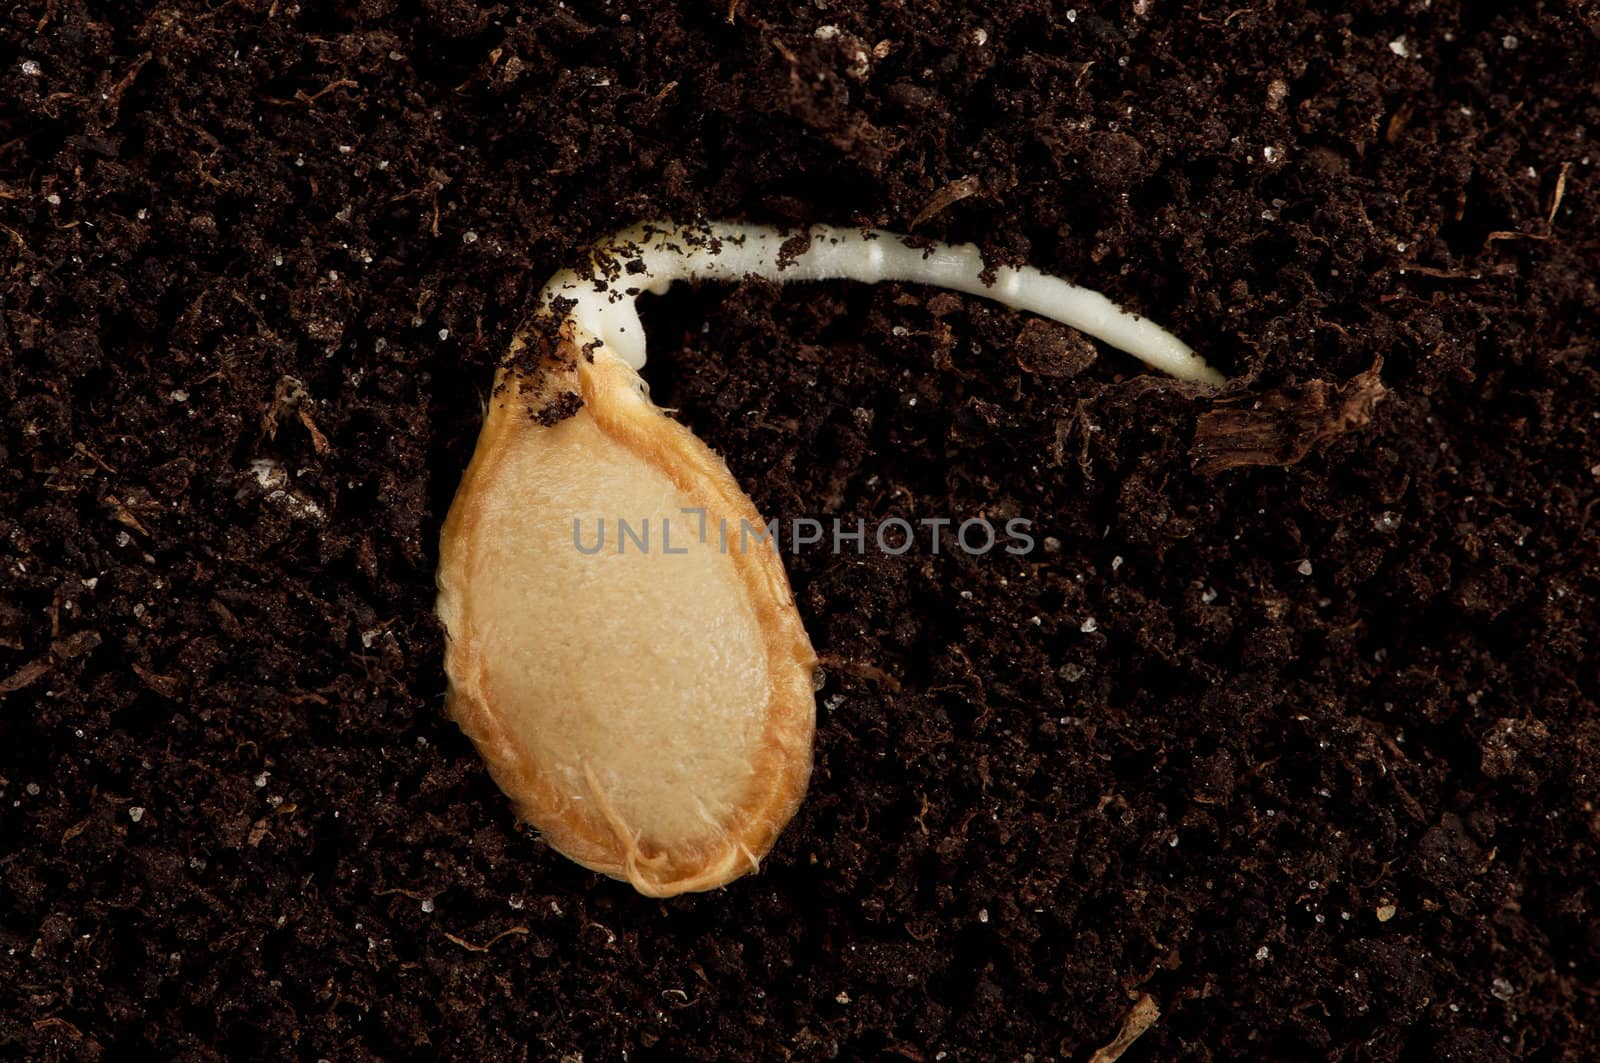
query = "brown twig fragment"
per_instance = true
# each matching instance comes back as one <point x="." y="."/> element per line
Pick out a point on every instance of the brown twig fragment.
<point x="861" y="670"/>
<point x="1550" y="218"/>
<point x="1140" y="1018"/>
<point x="1281" y="427"/>
<point x="291" y="397"/>
<point x="310" y="98"/>
<point x="62" y="649"/>
<point x="950" y="194"/>
<point x="124" y="516"/>
<point x="487" y="945"/>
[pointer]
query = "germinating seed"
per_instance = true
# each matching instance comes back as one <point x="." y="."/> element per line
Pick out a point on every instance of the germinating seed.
<point x="651" y="711"/>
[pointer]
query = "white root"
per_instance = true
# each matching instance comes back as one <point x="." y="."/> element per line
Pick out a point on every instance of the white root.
<point x="650" y="257"/>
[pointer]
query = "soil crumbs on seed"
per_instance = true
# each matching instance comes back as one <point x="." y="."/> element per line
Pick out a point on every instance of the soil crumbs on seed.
<point x="1288" y="719"/>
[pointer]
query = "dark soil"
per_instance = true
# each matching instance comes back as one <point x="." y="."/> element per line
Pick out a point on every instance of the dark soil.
<point x="1320" y="778"/>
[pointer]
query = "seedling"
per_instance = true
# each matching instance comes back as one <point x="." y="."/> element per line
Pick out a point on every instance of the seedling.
<point x="649" y="706"/>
